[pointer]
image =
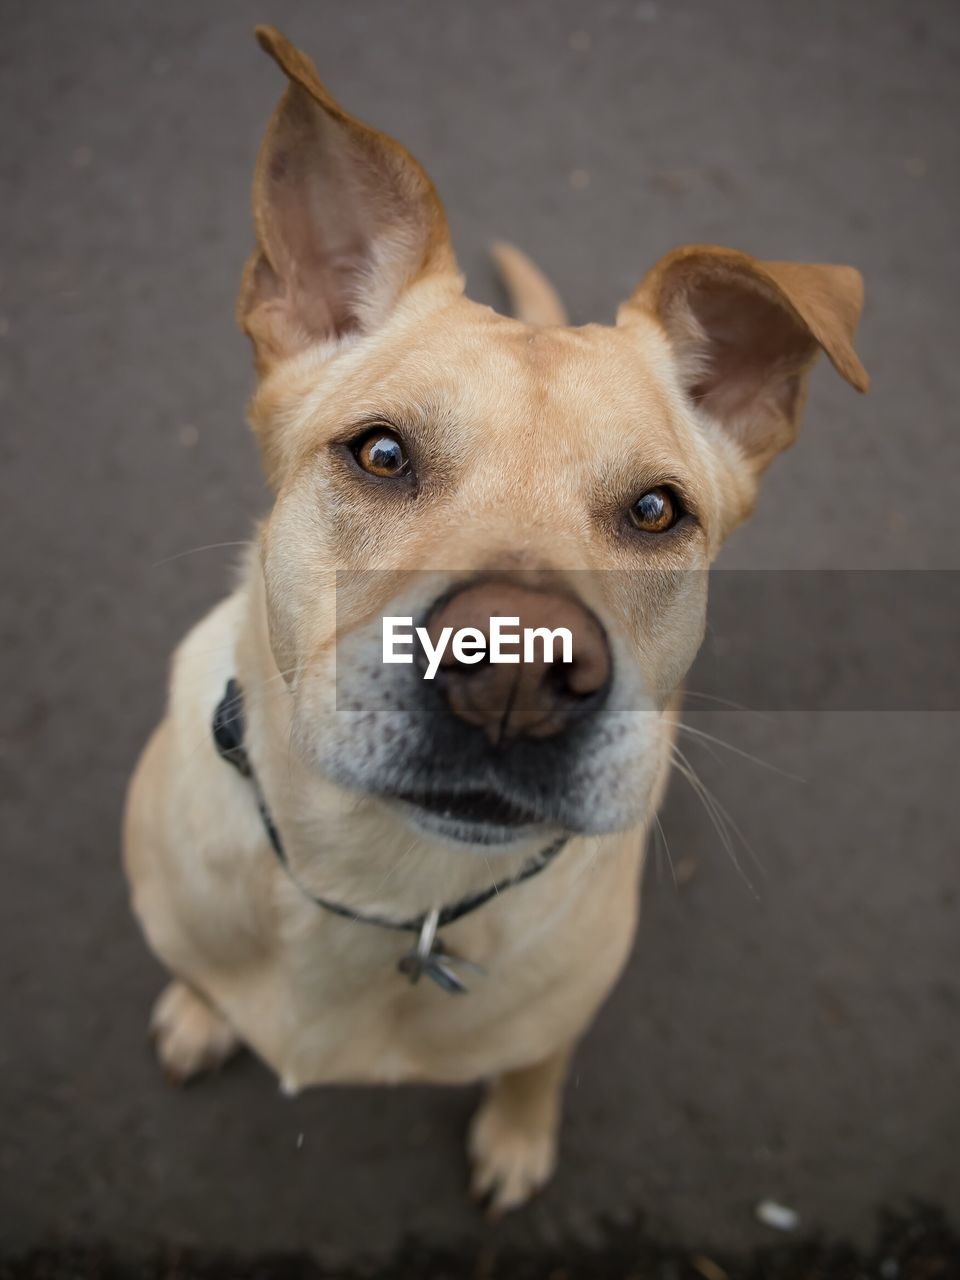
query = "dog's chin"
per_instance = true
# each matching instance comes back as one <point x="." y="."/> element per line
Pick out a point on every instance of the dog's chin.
<point x="483" y="822"/>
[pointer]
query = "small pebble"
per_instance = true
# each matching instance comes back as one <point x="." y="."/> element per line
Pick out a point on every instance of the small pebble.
<point x="709" y="1269"/>
<point x="777" y="1216"/>
<point x="685" y="870"/>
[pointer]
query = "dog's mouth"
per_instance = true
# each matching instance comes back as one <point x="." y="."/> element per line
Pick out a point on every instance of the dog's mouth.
<point x="486" y="808"/>
<point x="479" y="817"/>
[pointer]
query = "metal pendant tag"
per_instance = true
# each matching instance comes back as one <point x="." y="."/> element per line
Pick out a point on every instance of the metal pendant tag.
<point x="428" y="957"/>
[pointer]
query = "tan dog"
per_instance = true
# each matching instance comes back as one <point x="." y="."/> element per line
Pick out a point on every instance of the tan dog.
<point x="578" y="476"/>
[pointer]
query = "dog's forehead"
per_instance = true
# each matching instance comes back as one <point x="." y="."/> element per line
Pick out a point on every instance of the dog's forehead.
<point x="492" y="397"/>
<point x="559" y="375"/>
<point x="488" y="376"/>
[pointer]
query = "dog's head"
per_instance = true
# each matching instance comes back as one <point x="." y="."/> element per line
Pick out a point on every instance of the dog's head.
<point x="434" y="460"/>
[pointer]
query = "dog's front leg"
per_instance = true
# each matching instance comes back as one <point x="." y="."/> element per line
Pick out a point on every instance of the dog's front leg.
<point x="189" y="1034"/>
<point x="512" y="1142"/>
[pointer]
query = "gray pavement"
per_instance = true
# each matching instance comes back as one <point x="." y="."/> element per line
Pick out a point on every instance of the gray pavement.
<point x="804" y="1045"/>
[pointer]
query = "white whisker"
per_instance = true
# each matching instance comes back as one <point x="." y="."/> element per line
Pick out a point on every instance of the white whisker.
<point x="666" y="849"/>
<point x="738" y="751"/>
<point x="719" y="816"/>
<point x="726" y="702"/>
<point x="209" y="546"/>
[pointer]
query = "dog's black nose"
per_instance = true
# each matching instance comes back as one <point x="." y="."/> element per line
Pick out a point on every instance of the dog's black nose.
<point x="533" y="697"/>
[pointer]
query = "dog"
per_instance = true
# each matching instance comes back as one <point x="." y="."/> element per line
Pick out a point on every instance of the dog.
<point x="366" y="876"/>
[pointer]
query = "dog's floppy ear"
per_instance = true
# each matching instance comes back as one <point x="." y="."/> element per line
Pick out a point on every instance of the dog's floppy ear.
<point x="345" y="219"/>
<point x="745" y="334"/>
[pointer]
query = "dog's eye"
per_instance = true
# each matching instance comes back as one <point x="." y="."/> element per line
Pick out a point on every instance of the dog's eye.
<point x="655" y="511"/>
<point x="381" y="452"/>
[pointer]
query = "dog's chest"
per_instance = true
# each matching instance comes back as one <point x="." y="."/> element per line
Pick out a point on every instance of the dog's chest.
<point x="336" y="1009"/>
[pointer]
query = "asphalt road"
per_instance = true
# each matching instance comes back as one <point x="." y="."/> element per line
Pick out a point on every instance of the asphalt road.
<point x="801" y="1044"/>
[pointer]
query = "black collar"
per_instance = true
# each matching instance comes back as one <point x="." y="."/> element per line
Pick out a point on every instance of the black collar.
<point x="229" y="729"/>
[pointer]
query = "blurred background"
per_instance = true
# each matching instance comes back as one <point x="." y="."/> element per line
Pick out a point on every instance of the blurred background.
<point x="801" y="1042"/>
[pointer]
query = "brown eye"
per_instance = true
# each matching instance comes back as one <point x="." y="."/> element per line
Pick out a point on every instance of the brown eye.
<point x="381" y="452"/>
<point x="655" y="511"/>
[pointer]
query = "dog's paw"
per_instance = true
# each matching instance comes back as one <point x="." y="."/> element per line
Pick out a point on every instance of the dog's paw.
<point x="188" y="1034"/>
<point x="510" y="1160"/>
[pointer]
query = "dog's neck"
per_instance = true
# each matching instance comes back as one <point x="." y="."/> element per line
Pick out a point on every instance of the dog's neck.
<point x="351" y="848"/>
